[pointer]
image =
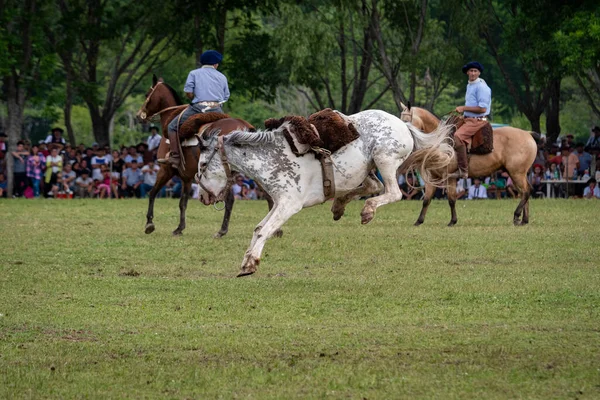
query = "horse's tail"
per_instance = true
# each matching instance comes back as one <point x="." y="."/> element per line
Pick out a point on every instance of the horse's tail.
<point x="536" y="136"/>
<point x="433" y="153"/>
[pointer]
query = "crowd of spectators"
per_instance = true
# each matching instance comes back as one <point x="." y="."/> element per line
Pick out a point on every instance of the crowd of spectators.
<point x="55" y="169"/>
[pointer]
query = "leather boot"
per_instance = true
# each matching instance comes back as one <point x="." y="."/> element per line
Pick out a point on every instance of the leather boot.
<point x="462" y="160"/>
<point x="174" y="157"/>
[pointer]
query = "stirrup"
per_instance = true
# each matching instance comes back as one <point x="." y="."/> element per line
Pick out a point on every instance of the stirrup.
<point x="458" y="174"/>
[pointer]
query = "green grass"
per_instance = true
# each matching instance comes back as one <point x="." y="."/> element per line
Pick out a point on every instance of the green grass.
<point x="94" y="308"/>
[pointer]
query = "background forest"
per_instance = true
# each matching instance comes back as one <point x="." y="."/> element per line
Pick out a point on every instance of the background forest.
<point x="85" y="65"/>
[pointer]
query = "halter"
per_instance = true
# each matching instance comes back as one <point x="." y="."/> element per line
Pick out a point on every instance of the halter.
<point x="225" y="162"/>
<point x="143" y="114"/>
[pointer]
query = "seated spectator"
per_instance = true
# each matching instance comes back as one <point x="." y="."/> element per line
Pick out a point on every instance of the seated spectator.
<point x="238" y="187"/>
<point x="175" y="185"/>
<point x="535" y="179"/>
<point x="591" y="191"/>
<point x="69" y="177"/>
<point x="251" y="194"/>
<point x="409" y="190"/>
<point x="477" y="190"/>
<point x="76" y="168"/>
<point x="84" y="185"/>
<point x="35" y="167"/>
<point x="3" y="184"/>
<point x="103" y="187"/>
<point x="133" y="155"/>
<point x="150" y="170"/>
<point x="132" y="180"/>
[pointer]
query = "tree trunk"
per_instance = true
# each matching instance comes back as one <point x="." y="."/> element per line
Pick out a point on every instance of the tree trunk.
<point x="100" y="126"/>
<point x="360" y="82"/>
<point x="552" y="111"/>
<point x="534" y="120"/>
<point x="413" y="86"/>
<point x="15" y="104"/>
<point x="221" y="27"/>
<point x="199" y="42"/>
<point x="67" y="110"/>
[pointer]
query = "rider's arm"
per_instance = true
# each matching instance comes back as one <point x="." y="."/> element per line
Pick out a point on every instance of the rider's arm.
<point x="478" y="110"/>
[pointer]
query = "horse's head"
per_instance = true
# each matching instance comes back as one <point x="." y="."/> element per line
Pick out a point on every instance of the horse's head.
<point x="153" y="102"/>
<point x="214" y="176"/>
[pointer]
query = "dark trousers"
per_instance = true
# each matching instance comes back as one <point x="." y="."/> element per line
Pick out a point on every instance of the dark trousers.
<point x="129" y="191"/>
<point x="20" y="183"/>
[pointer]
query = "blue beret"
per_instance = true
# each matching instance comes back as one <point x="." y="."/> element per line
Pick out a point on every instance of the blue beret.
<point x="211" y="57"/>
<point x="472" y="64"/>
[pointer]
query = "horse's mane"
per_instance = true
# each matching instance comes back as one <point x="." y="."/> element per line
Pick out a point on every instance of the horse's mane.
<point x="174" y="93"/>
<point x="251" y="138"/>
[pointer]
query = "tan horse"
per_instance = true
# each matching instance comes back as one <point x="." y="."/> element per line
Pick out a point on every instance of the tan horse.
<point x="514" y="150"/>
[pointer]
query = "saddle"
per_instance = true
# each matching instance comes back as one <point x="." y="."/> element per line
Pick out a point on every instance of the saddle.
<point x="483" y="140"/>
<point x="193" y="124"/>
<point x="322" y="133"/>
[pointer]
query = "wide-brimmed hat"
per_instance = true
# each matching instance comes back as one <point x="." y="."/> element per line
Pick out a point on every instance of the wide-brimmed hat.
<point x="472" y="64"/>
<point x="57" y="129"/>
<point x="211" y="57"/>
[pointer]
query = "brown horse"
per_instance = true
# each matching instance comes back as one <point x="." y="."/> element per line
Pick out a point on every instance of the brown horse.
<point x="514" y="150"/>
<point x="163" y="100"/>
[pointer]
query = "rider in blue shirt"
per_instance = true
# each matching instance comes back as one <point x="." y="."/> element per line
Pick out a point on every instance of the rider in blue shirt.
<point x="207" y="89"/>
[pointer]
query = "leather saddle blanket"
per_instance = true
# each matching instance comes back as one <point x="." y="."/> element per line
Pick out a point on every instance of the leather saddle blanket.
<point x="326" y="129"/>
<point x="483" y="140"/>
<point x="193" y="124"/>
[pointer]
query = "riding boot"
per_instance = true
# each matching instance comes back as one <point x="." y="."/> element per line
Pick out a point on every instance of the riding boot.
<point x="174" y="157"/>
<point x="462" y="160"/>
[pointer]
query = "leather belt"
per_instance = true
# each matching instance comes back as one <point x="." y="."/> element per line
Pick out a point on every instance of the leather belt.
<point x="211" y="104"/>
<point x="479" y="118"/>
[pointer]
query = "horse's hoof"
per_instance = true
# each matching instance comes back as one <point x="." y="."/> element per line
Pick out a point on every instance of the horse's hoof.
<point x="149" y="228"/>
<point x="249" y="268"/>
<point x="517" y="222"/>
<point x="366" y="217"/>
<point x="177" y="233"/>
<point x="219" y="234"/>
<point x="418" y="223"/>
<point x="278" y="233"/>
<point x="451" y="223"/>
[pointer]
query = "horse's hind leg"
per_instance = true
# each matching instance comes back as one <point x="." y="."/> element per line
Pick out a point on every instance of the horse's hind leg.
<point x="391" y="194"/>
<point x="429" y="191"/>
<point x="520" y="182"/>
<point x="278" y="233"/>
<point x="185" y="195"/>
<point x="370" y="185"/>
<point x="229" y="200"/>
<point x="163" y="176"/>
<point x="451" y="191"/>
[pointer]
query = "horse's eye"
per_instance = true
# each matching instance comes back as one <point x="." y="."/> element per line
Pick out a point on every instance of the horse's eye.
<point x="203" y="165"/>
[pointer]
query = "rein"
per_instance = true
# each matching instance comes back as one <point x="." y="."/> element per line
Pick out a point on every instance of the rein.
<point x="144" y="114"/>
<point x="220" y="148"/>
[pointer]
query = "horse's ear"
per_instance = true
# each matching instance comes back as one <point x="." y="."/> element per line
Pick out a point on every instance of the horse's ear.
<point x="154" y="80"/>
<point x="161" y="79"/>
<point x="408" y="105"/>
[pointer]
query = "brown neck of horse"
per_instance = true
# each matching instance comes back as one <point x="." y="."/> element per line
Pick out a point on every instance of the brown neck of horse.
<point x="166" y="100"/>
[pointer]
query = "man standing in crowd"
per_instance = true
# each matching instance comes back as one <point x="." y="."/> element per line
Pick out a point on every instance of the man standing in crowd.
<point x="478" y="104"/>
<point x="207" y="88"/>
<point x="55" y="138"/>
<point x="594" y="140"/>
<point x="570" y="163"/>
<point x="132" y="179"/>
<point x="153" y="140"/>
<point x="20" y="169"/>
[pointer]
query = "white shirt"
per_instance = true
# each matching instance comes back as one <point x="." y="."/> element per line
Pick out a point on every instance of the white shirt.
<point x="150" y="174"/>
<point x="97" y="172"/>
<point x="596" y="194"/>
<point x="477" y="192"/>
<point x="56" y="159"/>
<point x="153" y="141"/>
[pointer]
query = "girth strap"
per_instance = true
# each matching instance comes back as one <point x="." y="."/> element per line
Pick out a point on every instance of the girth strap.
<point x="324" y="156"/>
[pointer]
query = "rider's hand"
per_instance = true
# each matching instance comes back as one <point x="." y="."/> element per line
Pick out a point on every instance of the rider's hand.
<point x="460" y="109"/>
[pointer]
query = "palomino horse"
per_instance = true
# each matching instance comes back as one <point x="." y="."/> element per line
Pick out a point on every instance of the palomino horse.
<point x="514" y="150"/>
<point x="163" y="100"/>
<point x="296" y="182"/>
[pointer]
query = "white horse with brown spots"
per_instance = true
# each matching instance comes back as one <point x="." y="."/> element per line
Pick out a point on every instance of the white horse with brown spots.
<point x="296" y="182"/>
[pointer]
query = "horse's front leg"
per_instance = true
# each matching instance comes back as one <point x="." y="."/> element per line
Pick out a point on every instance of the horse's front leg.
<point x="185" y="195"/>
<point x="163" y="176"/>
<point x="267" y="228"/>
<point x="229" y="200"/>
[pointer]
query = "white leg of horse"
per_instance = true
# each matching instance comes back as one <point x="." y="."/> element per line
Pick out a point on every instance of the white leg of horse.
<point x="371" y="185"/>
<point x="392" y="192"/>
<point x="269" y="225"/>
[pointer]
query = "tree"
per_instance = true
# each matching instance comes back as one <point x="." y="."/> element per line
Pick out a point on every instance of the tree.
<point x="24" y="64"/>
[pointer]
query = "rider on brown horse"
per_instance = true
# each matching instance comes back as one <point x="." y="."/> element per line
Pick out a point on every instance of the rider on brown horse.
<point x="478" y="103"/>
<point x="207" y="89"/>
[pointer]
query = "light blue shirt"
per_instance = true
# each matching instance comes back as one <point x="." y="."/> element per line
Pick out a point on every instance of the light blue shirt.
<point x="207" y="84"/>
<point x="478" y="94"/>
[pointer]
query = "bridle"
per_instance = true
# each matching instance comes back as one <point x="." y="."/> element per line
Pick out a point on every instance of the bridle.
<point x="219" y="148"/>
<point x="143" y="114"/>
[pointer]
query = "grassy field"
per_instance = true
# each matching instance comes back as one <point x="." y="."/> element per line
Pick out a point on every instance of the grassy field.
<point x="91" y="307"/>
